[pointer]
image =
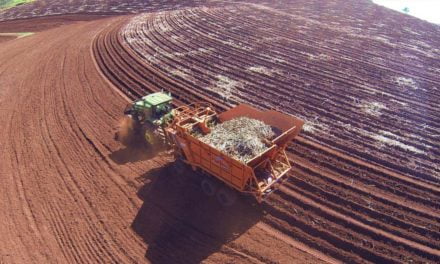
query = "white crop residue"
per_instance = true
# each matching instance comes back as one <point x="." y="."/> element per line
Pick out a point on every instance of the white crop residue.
<point x="225" y="87"/>
<point x="386" y="137"/>
<point x="406" y="82"/>
<point x="372" y="108"/>
<point x="263" y="70"/>
<point x="180" y="73"/>
<point x="313" y="126"/>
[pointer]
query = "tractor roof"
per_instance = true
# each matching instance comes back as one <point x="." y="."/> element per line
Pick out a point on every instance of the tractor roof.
<point x="157" y="98"/>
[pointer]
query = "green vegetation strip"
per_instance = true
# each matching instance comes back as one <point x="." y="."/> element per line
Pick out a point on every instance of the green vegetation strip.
<point x="5" y="4"/>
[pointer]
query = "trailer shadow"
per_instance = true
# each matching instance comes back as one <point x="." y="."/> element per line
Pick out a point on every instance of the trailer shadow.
<point x="180" y="224"/>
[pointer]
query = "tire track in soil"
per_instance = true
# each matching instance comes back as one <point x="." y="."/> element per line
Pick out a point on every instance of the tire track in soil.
<point x="48" y="150"/>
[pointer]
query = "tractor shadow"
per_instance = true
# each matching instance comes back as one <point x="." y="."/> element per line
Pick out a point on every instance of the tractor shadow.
<point x="181" y="224"/>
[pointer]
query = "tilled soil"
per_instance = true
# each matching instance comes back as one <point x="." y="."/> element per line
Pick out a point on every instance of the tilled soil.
<point x="69" y="193"/>
<point x="385" y="112"/>
<point x="348" y="197"/>
<point x="62" y="7"/>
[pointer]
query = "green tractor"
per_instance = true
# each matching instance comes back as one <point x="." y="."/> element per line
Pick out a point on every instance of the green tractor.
<point x="145" y="120"/>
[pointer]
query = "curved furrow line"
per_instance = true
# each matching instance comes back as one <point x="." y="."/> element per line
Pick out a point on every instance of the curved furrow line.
<point x="333" y="144"/>
<point x="285" y="52"/>
<point x="89" y="147"/>
<point x="431" y="187"/>
<point x="173" y="85"/>
<point x="91" y="121"/>
<point x="72" y="144"/>
<point x="87" y="251"/>
<point x="77" y="136"/>
<point x="326" y="179"/>
<point x="350" y="182"/>
<point x="204" y="34"/>
<point x="358" y="230"/>
<point x="57" y="126"/>
<point x="118" y="74"/>
<point x="65" y="238"/>
<point x="387" y="241"/>
<point x="105" y="62"/>
<point x="308" y="40"/>
<point x="315" y="198"/>
<point x="40" y="181"/>
<point x="144" y="72"/>
<point x="297" y="220"/>
<point x="300" y="37"/>
<point x="402" y="188"/>
<point x="314" y="238"/>
<point x="247" y="54"/>
<point x="366" y="214"/>
<point x="367" y="157"/>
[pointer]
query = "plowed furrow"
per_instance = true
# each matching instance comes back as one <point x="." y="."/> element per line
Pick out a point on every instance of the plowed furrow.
<point x="368" y="156"/>
<point x="346" y="207"/>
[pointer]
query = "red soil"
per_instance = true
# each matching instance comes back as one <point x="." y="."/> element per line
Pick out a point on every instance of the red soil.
<point x="4" y="38"/>
<point x="351" y="101"/>
<point x="339" y="201"/>
<point x="45" y="8"/>
<point x="69" y="193"/>
<point x="43" y="23"/>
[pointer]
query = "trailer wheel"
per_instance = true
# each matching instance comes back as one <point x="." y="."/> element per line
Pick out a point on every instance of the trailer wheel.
<point x="226" y="197"/>
<point x="209" y="187"/>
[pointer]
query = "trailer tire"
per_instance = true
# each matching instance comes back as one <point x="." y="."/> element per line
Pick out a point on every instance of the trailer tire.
<point x="226" y="197"/>
<point x="209" y="187"/>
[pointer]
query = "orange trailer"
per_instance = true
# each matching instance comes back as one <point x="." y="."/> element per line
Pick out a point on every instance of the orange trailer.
<point x="260" y="175"/>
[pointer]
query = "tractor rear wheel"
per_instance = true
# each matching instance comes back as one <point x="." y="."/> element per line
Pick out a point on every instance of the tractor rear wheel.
<point x="151" y="135"/>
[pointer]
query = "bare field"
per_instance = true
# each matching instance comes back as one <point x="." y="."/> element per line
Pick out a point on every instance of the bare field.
<point x="43" y="8"/>
<point x="349" y="100"/>
<point x="353" y="171"/>
<point x="365" y="187"/>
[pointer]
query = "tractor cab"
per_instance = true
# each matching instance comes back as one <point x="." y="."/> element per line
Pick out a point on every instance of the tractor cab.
<point x="150" y="108"/>
<point x="146" y="117"/>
